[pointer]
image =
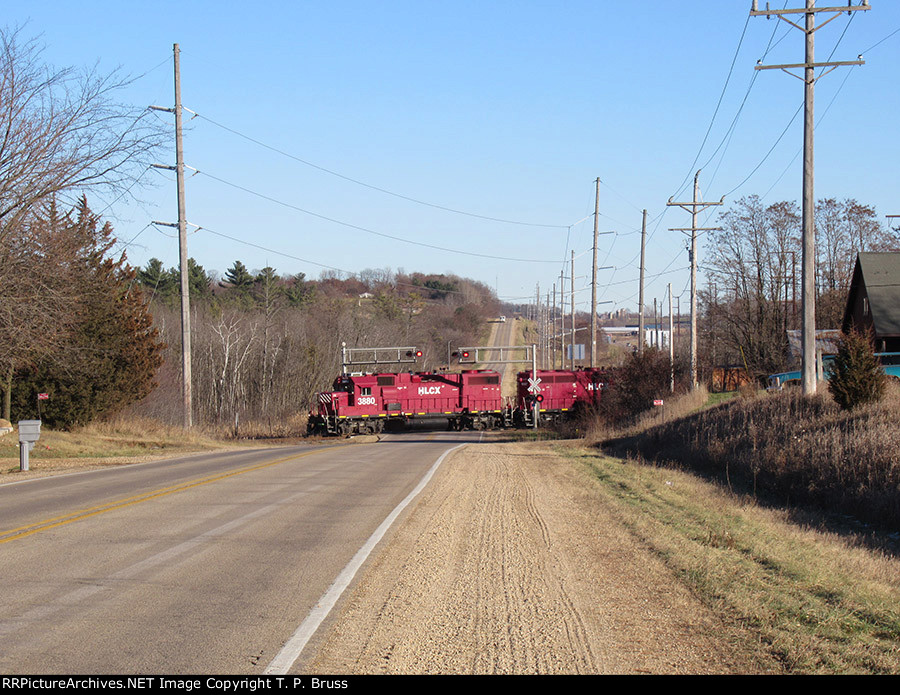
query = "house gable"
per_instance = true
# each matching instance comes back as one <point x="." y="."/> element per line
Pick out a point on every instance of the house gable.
<point x="873" y="302"/>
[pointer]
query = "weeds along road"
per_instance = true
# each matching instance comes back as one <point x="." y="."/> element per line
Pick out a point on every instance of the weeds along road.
<point x="206" y="564"/>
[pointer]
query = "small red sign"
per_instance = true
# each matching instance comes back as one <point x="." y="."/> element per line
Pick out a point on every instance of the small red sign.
<point x="657" y="402"/>
<point x="43" y="396"/>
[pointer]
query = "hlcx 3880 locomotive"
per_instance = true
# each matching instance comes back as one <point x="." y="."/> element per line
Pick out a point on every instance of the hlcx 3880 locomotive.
<point x="472" y="399"/>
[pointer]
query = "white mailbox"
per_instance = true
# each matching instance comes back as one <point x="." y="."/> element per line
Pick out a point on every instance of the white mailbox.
<point x="29" y="433"/>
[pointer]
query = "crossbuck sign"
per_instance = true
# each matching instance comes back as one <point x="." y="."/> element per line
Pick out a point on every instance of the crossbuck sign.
<point x="534" y="385"/>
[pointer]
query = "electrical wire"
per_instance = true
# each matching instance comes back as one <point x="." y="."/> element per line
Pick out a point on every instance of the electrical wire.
<point x="371" y="186"/>
<point x="366" y="229"/>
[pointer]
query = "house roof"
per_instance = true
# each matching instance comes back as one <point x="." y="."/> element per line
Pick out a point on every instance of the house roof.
<point x="879" y="273"/>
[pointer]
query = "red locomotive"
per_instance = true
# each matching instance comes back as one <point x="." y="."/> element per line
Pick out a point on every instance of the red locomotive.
<point x="367" y="403"/>
<point x="559" y="394"/>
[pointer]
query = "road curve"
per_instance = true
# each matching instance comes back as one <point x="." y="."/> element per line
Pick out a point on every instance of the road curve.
<point x="206" y="564"/>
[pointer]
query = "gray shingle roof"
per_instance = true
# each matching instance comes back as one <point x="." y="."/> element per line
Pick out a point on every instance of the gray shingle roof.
<point x="881" y="276"/>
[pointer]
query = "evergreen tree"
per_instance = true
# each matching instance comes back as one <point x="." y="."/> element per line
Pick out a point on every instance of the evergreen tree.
<point x="156" y="281"/>
<point x="297" y="291"/>
<point x="238" y="278"/>
<point x="112" y="355"/>
<point x="199" y="283"/>
<point x="856" y="376"/>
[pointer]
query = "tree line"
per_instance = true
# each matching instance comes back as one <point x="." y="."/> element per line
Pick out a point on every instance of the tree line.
<point x="753" y="277"/>
<point x="263" y="344"/>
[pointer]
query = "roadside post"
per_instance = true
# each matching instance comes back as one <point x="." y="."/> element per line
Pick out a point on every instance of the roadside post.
<point x="29" y="433"/>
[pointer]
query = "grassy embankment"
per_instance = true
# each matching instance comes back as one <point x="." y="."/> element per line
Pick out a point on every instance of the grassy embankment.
<point x="111" y="443"/>
<point x="820" y="593"/>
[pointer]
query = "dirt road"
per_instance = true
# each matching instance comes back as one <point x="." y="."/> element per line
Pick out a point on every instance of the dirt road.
<point x="511" y="563"/>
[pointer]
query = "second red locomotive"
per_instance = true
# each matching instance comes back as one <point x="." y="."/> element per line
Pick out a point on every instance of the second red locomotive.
<point x="559" y="394"/>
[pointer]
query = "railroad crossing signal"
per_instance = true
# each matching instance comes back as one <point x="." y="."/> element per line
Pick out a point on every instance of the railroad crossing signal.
<point x="534" y="385"/>
<point x="374" y="356"/>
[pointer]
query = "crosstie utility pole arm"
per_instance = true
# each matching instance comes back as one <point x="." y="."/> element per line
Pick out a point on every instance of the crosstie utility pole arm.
<point x="694" y="207"/>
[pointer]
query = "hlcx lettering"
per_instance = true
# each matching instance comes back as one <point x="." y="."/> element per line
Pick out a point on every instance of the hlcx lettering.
<point x="429" y="390"/>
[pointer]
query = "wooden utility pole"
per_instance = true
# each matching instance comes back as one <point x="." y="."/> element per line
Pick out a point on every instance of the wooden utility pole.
<point x="562" y="319"/>
<point x="553" y="330"/>
<point x="808" y="259"/>
<point x="694" y="208"/>
<point x="671" y="345"/>
<point x="572" y="288"/>
<point x="655" y="326"/>
<point x="184" y="270"/>
<point x="641" y="291"/>
<point x="594" y="279"/>
<point x="188" y="415"/>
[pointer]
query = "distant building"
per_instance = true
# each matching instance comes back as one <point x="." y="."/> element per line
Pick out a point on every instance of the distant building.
<point x="654" y="336"/>
<point x="826" y="341"/>
<point x="873" y="303"/>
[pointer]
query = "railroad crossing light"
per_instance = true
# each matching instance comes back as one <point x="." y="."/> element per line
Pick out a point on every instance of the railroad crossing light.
<point x="418" y="354"/>
<point x="465" y="354"/>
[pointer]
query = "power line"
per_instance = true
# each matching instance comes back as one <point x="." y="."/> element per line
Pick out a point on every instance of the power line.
<point x="370" y="231"/>
<point x="371" y="186"/>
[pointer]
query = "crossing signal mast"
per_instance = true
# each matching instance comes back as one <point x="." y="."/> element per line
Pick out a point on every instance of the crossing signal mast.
<point x="809" y="233"/>
<point x="351" y="357"/>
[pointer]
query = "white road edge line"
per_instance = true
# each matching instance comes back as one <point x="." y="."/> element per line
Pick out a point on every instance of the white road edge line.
<point x="290" y="652"/>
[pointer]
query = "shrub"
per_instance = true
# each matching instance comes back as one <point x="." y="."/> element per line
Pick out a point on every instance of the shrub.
<point x="856" y="376"/>
<point x="643" y="378"/>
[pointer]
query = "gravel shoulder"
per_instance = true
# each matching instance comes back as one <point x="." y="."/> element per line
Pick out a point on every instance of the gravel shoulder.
<point x="512" y="563"/>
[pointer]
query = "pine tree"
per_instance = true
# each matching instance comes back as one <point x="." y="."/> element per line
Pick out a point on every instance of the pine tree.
<point x="198" y="281"/>
<point x="112" y="355"/>
<point x="237" y="277"/>
<point x="156" y="281"/>
<point x="856" y="376"/>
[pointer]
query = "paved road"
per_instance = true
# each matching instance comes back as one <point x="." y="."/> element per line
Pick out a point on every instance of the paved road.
<point x="207" y="564"/>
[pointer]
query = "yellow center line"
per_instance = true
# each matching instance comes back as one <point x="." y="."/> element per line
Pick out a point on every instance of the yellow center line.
<point x="54" y="522"/>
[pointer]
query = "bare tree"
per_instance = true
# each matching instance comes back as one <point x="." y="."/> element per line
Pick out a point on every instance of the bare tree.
<point x="750" y="262"/>
<point x="62" y="132"/>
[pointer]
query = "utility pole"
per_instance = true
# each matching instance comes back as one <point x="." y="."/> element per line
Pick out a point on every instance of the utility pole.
<point x="562" y="318"/>
<point x="641" y="292"/>
<point x="572" y="288"/>
<point x="187" y="407"/>
<point x="548" y="326"/>
<point x="656" y="325"/>
<point x="553" y="330"/>
<point x="678" y="310"/>
<point x="594" y="270"/>
<point x="808" y="260"/>
<point x="594" y="279"/>
<point x="694" y="208"/>
<point x="671" y="346"/>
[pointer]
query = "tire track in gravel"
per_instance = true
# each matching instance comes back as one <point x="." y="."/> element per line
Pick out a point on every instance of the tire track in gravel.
<point x="510" y="563"/>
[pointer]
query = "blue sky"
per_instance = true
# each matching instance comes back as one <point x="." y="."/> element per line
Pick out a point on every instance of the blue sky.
<point x="322" y="127"/>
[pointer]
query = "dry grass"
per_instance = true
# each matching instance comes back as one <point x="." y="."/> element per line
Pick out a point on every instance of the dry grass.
<point x="817" y="601"/>
<point x="791" y="450"/>
<point x="115" y="442"/>
<point x="674" y="408"/>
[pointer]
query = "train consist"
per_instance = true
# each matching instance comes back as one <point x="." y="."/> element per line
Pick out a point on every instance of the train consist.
<point x="471" y="399"/>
